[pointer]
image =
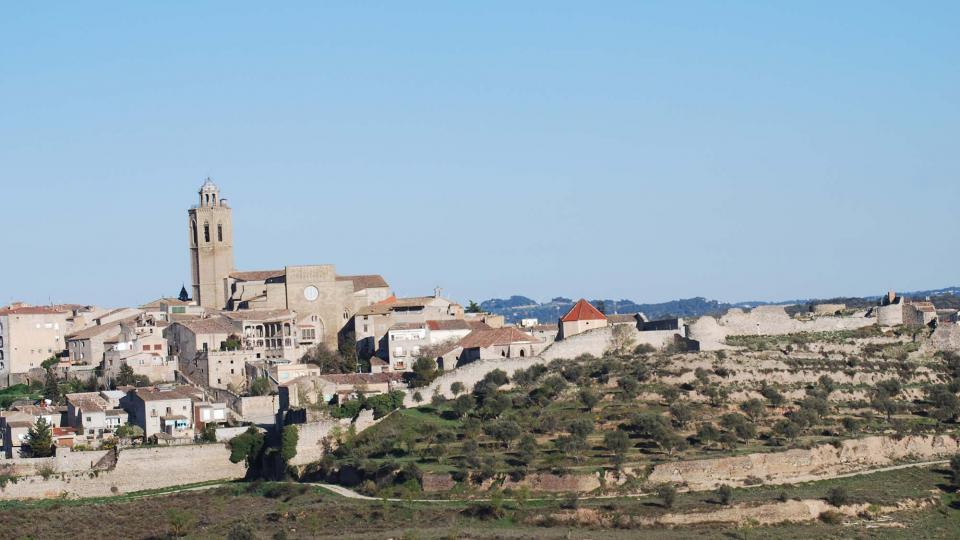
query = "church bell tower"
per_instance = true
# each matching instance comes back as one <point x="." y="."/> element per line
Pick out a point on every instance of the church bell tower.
<point x="211" y="247"/>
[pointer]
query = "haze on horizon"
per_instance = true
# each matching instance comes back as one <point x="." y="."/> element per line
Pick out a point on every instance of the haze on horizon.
<point x="651" y="152"/>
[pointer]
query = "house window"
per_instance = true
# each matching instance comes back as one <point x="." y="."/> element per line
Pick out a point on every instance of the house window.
<point x="158" y="347"/>
<point x="206" y="347"/>
<point x="219" y="232"/>
<point x="206" y="232"/>
<point x="146" y="347"/>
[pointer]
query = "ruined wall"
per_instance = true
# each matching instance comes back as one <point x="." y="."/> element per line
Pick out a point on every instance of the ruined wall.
<point x="311" y="435"/>
<point x="136" y="470"/>
<point x="766" y="321"/>
<point x="946" y="338"/>
<point x="804" y="465"/>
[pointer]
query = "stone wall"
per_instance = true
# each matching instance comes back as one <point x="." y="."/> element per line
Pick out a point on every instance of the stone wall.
<point x="64" y="461"/>
<point x="804" y="465"/>
<point x="767" y="321"/>
<point x="311" y="435"/>
<point x="469" y="375"/>
<point x="258" y="409"/>
<point x="136" y="469"/>
<point x="946" y="338"/>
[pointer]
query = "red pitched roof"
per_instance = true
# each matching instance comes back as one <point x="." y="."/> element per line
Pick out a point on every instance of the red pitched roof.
<point x="583" y="311"/>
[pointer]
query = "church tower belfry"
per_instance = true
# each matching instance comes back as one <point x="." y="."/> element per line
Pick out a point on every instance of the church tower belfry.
<point x="211" y="247"/>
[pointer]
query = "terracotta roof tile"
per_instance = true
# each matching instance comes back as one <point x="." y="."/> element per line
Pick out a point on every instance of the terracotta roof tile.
<point x="369" y="281"/>
<point x="33" y="310"/>
<point x="583" y="311"/>
<point x="210" y="325"/>
<point x="457" y="324"/>
<point x="495" y="336"/>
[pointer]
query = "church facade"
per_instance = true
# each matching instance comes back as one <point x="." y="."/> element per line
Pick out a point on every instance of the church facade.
<point x="323" y="302"/>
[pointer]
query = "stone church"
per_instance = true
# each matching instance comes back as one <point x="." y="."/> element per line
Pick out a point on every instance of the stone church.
<point x="324" y="302"/>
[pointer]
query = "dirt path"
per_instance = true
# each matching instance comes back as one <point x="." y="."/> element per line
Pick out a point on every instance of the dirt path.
<point x="351" y="494"/>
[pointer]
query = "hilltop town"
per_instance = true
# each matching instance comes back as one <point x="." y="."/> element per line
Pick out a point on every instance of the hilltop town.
<point x="329" y="391"/>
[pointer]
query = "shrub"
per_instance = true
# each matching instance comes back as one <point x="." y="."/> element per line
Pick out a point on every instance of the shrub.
<point x="725" y="494"/>
<point x="837" y="496"/>
<point x="180" y="522"/>
<point x="831" y="517"/>
<point x="668" y="494"/>
<point x="240" y="531"/>
<point x="288" y="443"/>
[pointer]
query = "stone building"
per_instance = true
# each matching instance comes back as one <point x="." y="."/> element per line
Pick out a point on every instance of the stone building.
<point x="581" y="317"/>
<point x="323" y="301"/>
<point x="29" y="335"/>
<point x="95" y="415"/>
<point x="372" y="322"/>
<point x="16" y="422"/>
<point x="495" y="343"/>
<point x="407" y="341"/>
<point x="896" y="310"/>
<point x="167" y="412"/>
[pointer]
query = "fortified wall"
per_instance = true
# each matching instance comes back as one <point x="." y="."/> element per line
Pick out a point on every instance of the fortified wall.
<point x="767" y="321"/>
<point x="136" y="469"/>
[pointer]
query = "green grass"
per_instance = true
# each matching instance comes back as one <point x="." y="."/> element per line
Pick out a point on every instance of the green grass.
<point x="266" y="508"/>
<point x="19" y="391"/>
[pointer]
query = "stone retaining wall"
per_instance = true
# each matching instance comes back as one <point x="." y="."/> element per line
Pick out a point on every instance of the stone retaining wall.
<point x="804" y="465"/>
<point x="137" y="469"/>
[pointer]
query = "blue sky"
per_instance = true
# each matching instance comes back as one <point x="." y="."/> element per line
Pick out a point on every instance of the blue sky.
<point x="644" y="150"/>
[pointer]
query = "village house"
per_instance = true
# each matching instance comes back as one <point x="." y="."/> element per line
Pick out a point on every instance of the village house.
<point x="209" y="351"/>
<point x="141" y="346"/>
<point x="95" y="414"/>
<point x="169" y="309"/>
<point x="407" y="341"/>
<point x="15" y="425"/>
<point x="581" y="317"/>
<point x="495" y="343"/>
<point x="372" y="323"/>
<point x="279" y="371"/>
<point x="29" y="335"/>
<point x="312" y="389"/>
<point x="271" y="333"/>
<point x="165" y="413"/>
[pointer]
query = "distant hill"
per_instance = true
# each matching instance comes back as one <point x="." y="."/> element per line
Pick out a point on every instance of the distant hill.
<point x="522" y="307"/>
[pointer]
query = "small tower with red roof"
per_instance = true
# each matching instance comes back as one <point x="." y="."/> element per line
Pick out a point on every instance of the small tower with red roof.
<point x="581" y="317"/>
